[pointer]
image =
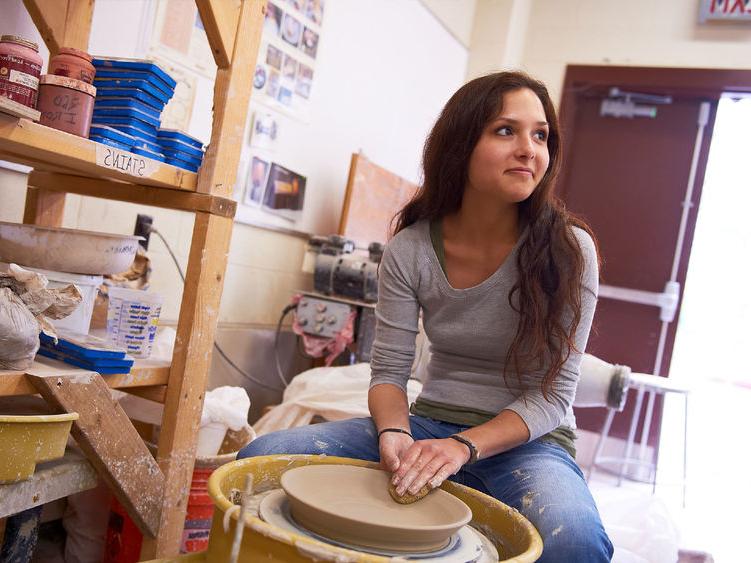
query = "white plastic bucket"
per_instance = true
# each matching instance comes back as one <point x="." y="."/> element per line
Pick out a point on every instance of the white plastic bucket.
<point x="132" y="319"/>
<point x="80" y="319"/>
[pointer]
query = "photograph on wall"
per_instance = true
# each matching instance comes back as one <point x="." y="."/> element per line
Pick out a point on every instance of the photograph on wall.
<point x="314" y="11"/>
<point x="287" y="56"/>
<point x="309" y="43"/>
<point x="274" y="57"/>
<point x="256" y="182"/>
<point x="289" y="71"/>
<point x="264" y="131"/>
<point x="304" y="80"/>
<point x="285" y="96"/>
<point x="285" y="192"/>
<point x="272" y="23"/>
<point x="291" y="30"/>
<point x="272" y="84"/>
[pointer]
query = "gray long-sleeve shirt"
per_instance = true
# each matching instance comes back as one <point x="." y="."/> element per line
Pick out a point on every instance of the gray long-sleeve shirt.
<point x="470" y="331"/>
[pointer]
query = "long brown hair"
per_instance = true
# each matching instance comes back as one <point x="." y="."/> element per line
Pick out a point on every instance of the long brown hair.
<point x="550" y="261"/>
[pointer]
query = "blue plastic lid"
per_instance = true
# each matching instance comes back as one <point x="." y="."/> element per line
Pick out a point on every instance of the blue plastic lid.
<point x="135" y="64"/>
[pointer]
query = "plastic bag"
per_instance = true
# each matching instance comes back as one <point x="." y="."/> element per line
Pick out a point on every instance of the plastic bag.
<point x="19" y="332"/>
<point x="638" y="524"/>
<point x="25" y="308"/>
<point x="226" y="405"/>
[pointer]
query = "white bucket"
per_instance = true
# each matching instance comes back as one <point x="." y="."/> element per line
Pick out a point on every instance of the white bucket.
<point x="80" y="319"/>
<point x="210" y="438"/>
<point x="132" y="319"/>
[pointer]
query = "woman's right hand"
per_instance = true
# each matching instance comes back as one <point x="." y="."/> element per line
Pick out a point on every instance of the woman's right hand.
<point x="392" y="446"/>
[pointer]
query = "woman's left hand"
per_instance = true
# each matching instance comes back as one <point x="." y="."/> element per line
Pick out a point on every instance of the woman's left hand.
<point x="429" y="462"/>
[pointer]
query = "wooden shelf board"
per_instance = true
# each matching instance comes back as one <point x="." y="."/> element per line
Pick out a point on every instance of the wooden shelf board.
<point x="25" y="142"/>
<point x="144" y="195"/>
<point x="144" y="373"/>
<point x="52" y="480"/>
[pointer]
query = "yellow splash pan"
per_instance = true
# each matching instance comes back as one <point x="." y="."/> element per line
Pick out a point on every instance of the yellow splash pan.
<point x="513" y="535"/>
<point x="28" y="440"/>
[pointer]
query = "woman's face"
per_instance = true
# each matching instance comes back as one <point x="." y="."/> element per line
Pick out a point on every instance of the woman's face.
<point x="511" y="156"/>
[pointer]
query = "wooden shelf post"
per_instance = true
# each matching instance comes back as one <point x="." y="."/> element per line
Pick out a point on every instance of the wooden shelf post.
<point x="199" y="311"/>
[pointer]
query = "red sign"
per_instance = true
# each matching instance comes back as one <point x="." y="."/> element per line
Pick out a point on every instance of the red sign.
<point x="725" y="10"/>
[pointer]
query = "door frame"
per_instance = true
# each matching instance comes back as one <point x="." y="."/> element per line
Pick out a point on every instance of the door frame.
<point x="699" y="83"/>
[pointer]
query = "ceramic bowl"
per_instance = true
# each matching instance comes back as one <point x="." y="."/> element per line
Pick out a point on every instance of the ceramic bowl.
<point x="66" y="250"/>
<point x="352" y="505"/>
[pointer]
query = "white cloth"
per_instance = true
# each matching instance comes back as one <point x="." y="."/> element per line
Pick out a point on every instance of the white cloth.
<point x="334" y="393"/>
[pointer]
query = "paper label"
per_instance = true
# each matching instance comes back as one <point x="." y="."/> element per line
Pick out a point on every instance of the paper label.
<point x="123" y="161"/>
<point x="24" y="79"/>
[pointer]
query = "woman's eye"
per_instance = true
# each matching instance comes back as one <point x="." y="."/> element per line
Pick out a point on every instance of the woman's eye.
<point x="504" y="131"/>
<point x="541" y="135"/>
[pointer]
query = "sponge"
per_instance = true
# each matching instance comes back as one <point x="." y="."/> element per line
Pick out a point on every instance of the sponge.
<point x="408" y="498"/>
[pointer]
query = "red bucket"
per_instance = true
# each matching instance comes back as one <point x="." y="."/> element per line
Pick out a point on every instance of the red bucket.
<point x="198" y="514"/>
<point x="124" y="539"/>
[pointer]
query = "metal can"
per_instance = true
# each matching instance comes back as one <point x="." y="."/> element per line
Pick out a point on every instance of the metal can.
<point x="20" y="67"/>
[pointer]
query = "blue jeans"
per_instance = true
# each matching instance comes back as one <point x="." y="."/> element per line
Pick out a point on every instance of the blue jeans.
<point x="539" y="479"/>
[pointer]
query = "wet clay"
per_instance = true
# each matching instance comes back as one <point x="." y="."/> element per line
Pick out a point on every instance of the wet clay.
<point x="351" y="505"/>
<point x="407" y="498"/>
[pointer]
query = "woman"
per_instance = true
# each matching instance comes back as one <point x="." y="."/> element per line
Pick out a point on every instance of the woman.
<point x="507" y="282"/>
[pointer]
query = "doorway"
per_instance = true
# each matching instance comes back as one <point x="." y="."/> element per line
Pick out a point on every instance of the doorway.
<point x="710" y="355"/>
<point x="637" y="180"/>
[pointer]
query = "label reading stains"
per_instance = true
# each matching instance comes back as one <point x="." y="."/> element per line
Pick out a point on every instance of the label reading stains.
<point x="124" y="161"/>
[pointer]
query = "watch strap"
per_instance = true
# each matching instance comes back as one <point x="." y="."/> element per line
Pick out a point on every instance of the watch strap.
<point x="474" y="453"/>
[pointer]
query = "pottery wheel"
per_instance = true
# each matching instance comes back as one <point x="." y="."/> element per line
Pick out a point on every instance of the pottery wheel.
<point x="466" y="545"/>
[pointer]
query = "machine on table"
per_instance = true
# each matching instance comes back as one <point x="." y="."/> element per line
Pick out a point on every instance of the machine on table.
<point x="345" y="284"/>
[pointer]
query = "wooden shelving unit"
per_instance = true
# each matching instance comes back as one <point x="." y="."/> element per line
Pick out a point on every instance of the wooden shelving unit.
<point x="155" y="495"/>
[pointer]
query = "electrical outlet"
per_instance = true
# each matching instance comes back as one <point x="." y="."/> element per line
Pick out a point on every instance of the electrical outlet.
<point x="143" y="229"/>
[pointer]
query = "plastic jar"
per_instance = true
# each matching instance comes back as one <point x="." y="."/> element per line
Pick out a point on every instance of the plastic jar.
<point x="20" y="67"/>
<point x="66" y="104"/>
<point x="73" y="63"/>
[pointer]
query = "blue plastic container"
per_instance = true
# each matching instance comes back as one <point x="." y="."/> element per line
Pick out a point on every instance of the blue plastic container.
<point x="143" y="85"/>
<point x="175" y="135"/>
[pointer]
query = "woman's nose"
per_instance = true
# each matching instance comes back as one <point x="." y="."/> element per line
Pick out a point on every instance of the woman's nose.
<point x="525" y="148"/>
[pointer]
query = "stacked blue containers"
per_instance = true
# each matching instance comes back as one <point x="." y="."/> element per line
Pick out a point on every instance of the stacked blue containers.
<point x="131" y="95"/>
<point x="180" y="150"/>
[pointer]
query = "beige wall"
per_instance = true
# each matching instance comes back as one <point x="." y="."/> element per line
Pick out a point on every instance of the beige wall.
<point x="457" y="16"/>
<point x="634" y="33"/>
<point x="498" y="34"/>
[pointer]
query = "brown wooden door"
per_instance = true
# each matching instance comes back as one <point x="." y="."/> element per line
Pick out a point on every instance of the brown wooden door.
<point x="628" y="178"/>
